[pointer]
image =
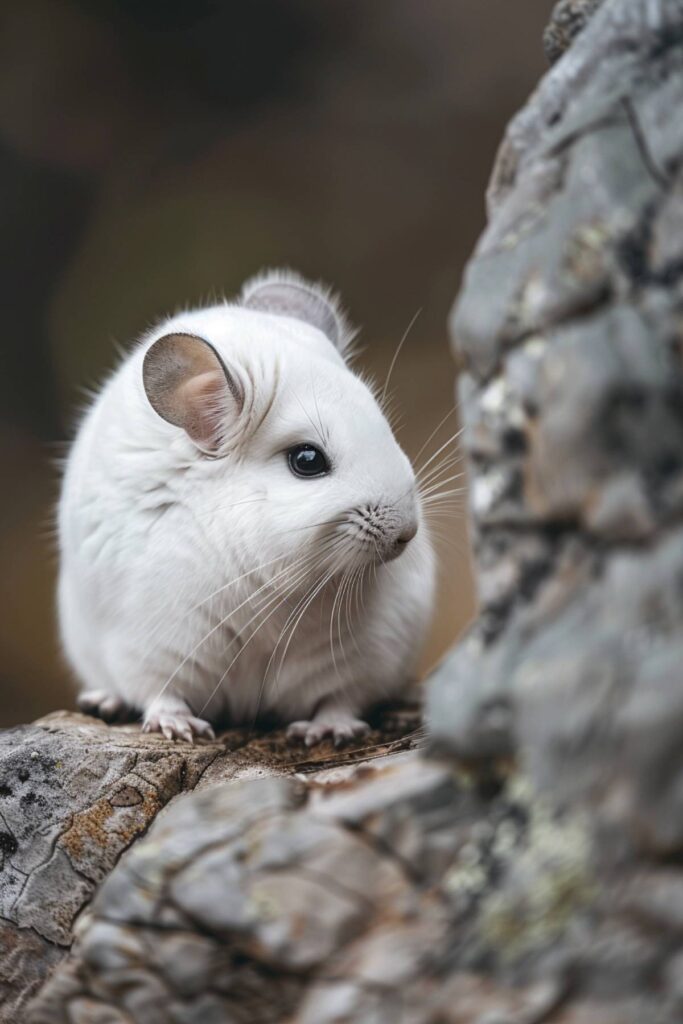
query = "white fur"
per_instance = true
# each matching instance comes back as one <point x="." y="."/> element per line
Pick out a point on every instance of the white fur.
<point x="150" y="527"/>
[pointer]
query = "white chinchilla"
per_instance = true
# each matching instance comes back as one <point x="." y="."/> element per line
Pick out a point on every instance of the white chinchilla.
<point x="232" y="513"/>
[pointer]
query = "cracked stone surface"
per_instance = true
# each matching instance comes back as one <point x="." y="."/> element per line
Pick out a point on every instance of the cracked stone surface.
<point x="569" y="326"/>
<point x="328" y="902"/>
<point x="75" y="794"/>
<point x="407" y="890"/>
<point x="568" y="19"/>
<point x="524" y="868"/>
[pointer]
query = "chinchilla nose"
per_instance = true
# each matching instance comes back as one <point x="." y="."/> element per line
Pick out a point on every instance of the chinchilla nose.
<point x="399" y="539"/>
<point x="391" y="527"/>
<point x="406" y="534"/>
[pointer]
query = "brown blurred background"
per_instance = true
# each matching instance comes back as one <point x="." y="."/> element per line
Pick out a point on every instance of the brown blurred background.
<point x="156" y="152"/>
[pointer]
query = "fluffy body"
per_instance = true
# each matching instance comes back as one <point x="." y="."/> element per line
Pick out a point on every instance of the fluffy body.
<point x="198" y="587"/>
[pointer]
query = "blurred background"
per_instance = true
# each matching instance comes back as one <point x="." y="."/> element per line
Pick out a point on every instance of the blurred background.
<point x="154" y="153"/>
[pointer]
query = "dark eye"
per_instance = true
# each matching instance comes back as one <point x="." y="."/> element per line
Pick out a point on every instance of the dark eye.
<point x="307" y="460"/>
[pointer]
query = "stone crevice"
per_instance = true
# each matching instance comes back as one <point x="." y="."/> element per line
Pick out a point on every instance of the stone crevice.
<point x="658" y="174"/>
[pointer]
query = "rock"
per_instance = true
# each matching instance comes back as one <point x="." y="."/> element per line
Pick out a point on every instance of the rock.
<point x="75" y="794"/>
<point x="405" y="893"/>
<point x="328" y="900"/>
<point x="575" y="673"/>
<point x="569" y="17"/>
<point x="569" y="327"/>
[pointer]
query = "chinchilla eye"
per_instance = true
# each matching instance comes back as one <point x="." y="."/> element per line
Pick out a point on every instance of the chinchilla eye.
<point x="307" y="460"/>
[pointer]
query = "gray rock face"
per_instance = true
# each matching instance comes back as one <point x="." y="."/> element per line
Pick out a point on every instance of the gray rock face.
<point x="409" y="891"/>
<point x="570" y="324"/>
<point x="372" y="898"/>
<point x="568" y="19"/>
<point x="528" y="870"/>
<point x="75" y="794"/>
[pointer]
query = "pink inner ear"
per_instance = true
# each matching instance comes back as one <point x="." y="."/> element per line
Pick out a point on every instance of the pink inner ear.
<point x="201" y="403"/>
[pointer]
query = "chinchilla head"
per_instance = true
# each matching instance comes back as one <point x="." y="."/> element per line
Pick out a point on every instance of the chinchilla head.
<point x="281" y="451"/>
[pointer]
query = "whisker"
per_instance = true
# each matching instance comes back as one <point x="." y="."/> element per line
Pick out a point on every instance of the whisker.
<point x="263" y="621"/>
<point x="334" y="603"/>
<point x="396" y="355"/>
<point x="302" y="608"/>
<point x="447" y="462"/>
<point x="225" y="508"/>
<point x="317" y="407"/>
<point x="353" y="600"/>
<point x="231" y="583"/>
<point x="445" y="538"/>
<point x="438" y="451"/>
<point x="435" y="486"/>
<point x="318" y="431"/>
<point x="310" y="526"/>
<point x="342" y="596"/>
<point x="430" y="499"/>
<point x="434" y="432"/>
<point x="218" y="626"/>
<point x="276" y="605"/>
<point x="160" y="633"/>
<point x="303" y="605"/>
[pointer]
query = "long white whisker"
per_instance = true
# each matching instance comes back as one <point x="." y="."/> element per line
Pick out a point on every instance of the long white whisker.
<point x="302" y="607"/>
<point x="434" y="487"/>
<point x="334" y="603"/>
<point x="161" y="631"/>
<point x="353" y="601"/>
<point x="218" y="626"/>
<point x="303" y="604"/>
<point x="429" y="499"/>
<point x="264" y="679"/>
<point x="224" y="508"/>
<point x="434" y="432"/>
<point x="447" y="462"/>
<point x="231" y="583"/>
<point x="339" y="599"/>
<point x="396" y="355"/>
<point x="438" y="451"/>
<point x="330" y="551"/>
<point x="271" y="612"/>
<point x="310" y="526"/>
<point x="277" y="600"/>
<point x="310" y="420"/>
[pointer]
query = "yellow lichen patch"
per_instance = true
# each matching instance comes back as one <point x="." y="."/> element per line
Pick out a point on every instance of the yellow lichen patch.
<point x="548" y="881"/>
<point x="262" y="903"/>
<point x="584" y="257"/>
<point x="528" y="873"/>
<point x="87" y="828"/>
<point x="94" y="826"/>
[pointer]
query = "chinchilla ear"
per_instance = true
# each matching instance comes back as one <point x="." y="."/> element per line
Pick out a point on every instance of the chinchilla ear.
<point x="286" y="294"/>
<point x="188" y="385"/>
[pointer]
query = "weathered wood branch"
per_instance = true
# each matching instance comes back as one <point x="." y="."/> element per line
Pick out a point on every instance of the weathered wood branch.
<point x="533" y="872"/>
